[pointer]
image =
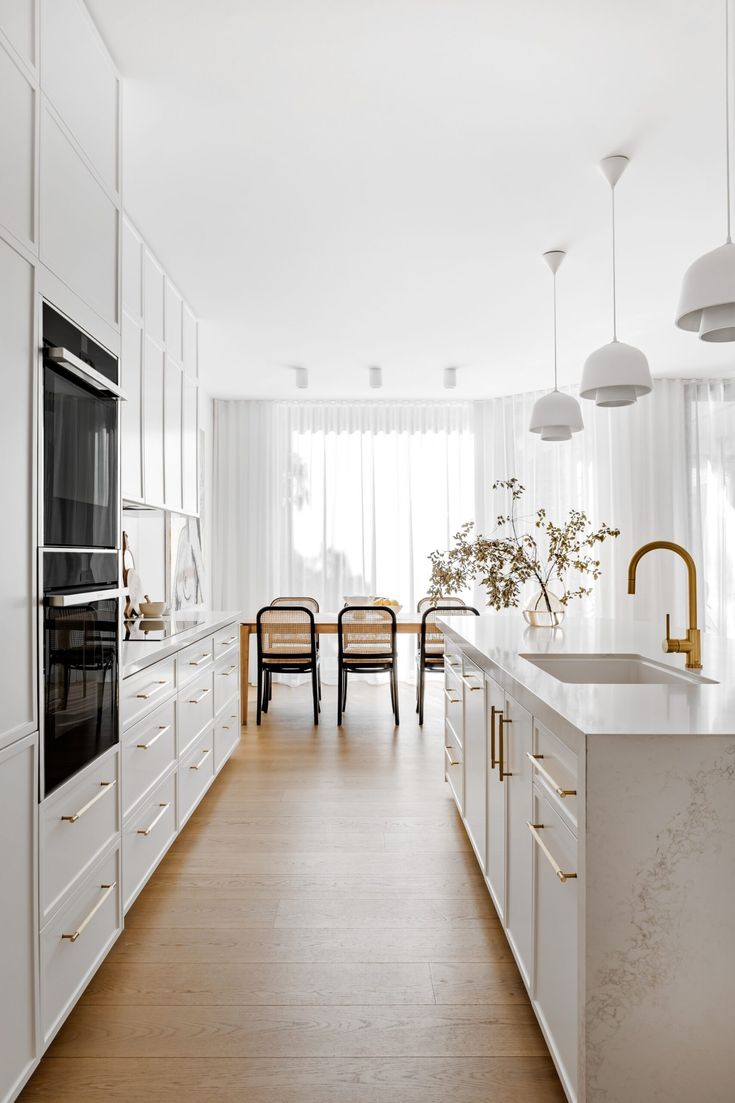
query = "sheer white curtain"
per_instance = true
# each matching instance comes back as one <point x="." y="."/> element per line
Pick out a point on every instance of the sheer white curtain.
<point x="336" y="499"/>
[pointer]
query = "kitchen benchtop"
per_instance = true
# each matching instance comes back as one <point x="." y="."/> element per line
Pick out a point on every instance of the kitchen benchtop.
<point x="141" y="653"/>
<point x="496" y="642"/>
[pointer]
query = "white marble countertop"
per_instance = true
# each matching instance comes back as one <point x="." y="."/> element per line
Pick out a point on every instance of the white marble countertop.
<point x="137" y="654"/>
<point x="496" y="642"/>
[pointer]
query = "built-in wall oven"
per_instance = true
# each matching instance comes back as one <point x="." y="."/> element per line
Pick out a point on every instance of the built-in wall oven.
<point x="79" y="560"/>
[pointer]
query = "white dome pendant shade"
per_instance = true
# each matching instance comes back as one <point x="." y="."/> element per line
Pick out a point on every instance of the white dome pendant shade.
<point x="555" y="416"/>
<point x="707" y="299"/>
<point x="616" y="374"/>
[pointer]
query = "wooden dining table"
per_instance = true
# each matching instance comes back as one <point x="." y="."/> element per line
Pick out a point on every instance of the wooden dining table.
<point x="325" y="624"/>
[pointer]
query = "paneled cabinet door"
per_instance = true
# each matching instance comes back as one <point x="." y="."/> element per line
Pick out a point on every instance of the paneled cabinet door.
<point x="152" y="422"/>
<point x="172" y="454"/>
<point x="190" y="398"/>
<point x="517" y="745"/>
<point x="475" y="776"/>
<point x="131" y="443"/>
<point x="17" y="552"/>
<point x="496" y="798"/>
<point x="18" y="923"/>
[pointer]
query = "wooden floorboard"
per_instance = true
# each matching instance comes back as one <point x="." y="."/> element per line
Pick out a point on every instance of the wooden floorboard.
<point x="320" y="933"/>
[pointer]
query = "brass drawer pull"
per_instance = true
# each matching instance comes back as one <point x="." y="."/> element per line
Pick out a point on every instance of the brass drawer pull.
<point x="227" y="642"/>
<point x="560" y="792"/>
<point x="147" y="830"/>
<point x="503" y="720"/>
<point x="205" y="657"/>
<point x="469" y="684"/>
<point x="106" y="787"/>
<point x="226" y="673"/>
<point x="450" y="760"/>
<point x="200" y="698"/>
<point x="162" y="729"/>
<point x="494" y="712"/>
<point x="452" y="700"/>
<point x="146" y="695"/>
<point x="534" y="828"/>
<point x="72" y="936"/>
<point x="200" y="763"/>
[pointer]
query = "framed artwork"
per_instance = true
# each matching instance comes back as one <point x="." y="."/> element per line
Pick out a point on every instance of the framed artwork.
<point x="184" y="563"/>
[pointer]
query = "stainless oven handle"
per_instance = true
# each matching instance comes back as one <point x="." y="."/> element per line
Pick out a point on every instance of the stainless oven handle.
<point x="62" y="601"/>
<point x="84" y="371"/>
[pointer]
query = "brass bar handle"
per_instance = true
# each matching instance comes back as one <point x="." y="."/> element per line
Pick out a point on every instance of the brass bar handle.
<point x="227" y="642"/>
<point x="200" y="698"/>
<point x="226" y="673"/>
<point x="452" y="762"/>
<point x="558" y="789"/>
<point x="147" y="830"/>
<point x="493" y="713"/>
<point x="205" y="657"/>
<point x="106" y="786"/>
<point x="157" y="687"/>
<point x="454" y="662"/>
<point x="502" y="721"/>
<point x="200" y="763"/>
<point x="72" y="936"/>
<point x="452" y="700"/>
<point x="534" y="828"/>
<point x="468" y="684"/>
<point x="162" y="729"/>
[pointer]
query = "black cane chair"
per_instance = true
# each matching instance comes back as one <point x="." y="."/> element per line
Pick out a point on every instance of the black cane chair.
<point x="430" y="653"/>
<point x="366" y="644"/>
<point x="286" y="645"/>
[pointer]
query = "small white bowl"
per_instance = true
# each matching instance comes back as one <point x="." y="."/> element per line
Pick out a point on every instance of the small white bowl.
<point x="152" y="608"/>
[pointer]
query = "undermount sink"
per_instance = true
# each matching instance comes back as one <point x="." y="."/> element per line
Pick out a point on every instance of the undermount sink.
<point x="606" y="669"/>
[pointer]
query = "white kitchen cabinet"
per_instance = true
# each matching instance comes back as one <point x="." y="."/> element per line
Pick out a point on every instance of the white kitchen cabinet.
<point x="189" y="343"/>
<point x="79" y="79"/>
<point x="17" y="551"/>
<point x="517" y="746"/>
<point x="154" y="285"/>
<point x="18" y="913"/>
<point x="79" y="223"/>
<point x="496" y="812"/>
<point x="475" y="790"/>
<point x="17" y="141"/>
<point x="172" y="434"/>
<point x="18" y="24"/>
<point x="153" y="374"/>
<point x="132" y="272"/>
<point x="173" y="322"/>
<point x="555" y="980"/>
<point x="190" y="467"/>
<point x="131" y="429"/>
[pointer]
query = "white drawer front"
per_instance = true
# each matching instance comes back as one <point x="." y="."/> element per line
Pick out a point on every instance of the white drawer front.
<point x="196" y="709"/>
<point x="454" y="702"/>
<point x="454" y="765"/>
<point x="555" y="771"/>
<point x="77" y="938"/>
<point x="145" y="691"/>
<point x="77" y="823"/>
<point x="149" y="749"/>
<point x="556" y="934"/>
<point x="225" y="640"/>
<point x="196" y="770"/>
<point x="146" y="838"/>
<point x="226" y="735"/>
<point x="226" y="682"/>
<point x="193" y="660"/>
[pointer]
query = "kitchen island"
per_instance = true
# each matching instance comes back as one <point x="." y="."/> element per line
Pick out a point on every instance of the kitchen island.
<point x="596" y="781"/>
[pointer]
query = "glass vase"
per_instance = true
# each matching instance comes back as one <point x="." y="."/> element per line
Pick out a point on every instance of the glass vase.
<point x="545" y="610"/>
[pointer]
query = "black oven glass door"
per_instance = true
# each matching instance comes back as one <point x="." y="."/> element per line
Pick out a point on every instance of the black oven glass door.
<point x="81" y="657"/>
<point x="80" y="464"/>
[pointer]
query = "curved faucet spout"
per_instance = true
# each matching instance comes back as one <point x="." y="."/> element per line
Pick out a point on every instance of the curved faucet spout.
<point x="691" y="646"/>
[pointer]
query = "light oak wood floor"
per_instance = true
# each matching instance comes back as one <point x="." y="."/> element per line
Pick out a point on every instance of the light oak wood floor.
<point x="320" y="933"/>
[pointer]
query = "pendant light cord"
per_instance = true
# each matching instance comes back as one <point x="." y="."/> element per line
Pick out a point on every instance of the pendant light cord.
<point x="556" y="388"/>
<point x="614" y="281"/>
<point x="727" y="115"/>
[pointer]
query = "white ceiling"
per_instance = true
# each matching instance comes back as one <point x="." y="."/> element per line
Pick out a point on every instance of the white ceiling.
<point x="339" y="183"/>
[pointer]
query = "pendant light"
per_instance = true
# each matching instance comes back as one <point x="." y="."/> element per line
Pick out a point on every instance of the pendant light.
<point x="707" y="300"/>
<point x="555" y="416"/>
<point x="616" y="374"/>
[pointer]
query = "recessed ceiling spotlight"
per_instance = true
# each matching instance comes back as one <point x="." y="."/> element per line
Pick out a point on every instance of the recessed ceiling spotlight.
<point x="376" y="377"/>
<point x="302" y="378"/>
<point x="450" y="378"/>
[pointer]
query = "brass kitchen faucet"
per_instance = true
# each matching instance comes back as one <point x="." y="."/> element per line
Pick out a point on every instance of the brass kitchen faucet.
<point x="692" y="645"/>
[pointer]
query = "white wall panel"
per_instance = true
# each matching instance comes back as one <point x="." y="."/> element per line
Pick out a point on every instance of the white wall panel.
<point x="131" y="410"/>
<point x="190" y="343"/>
<point x="132" y="271"/>
<point x="190" y="442"/>
<point x="17" y="21"/>
<point x="17" y="142"/>
<point x="153" y="422"/>
<point x="172" y="434"/>
<point x="17" y="548"/>
<point x="173" y="322"/>
<point x="153" y="296"/>
<point x="78" y="77"/>
<point x="79" y="223"/>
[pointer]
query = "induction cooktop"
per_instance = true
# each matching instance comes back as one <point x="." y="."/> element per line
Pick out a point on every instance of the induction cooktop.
<point x="160" y="628"/>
